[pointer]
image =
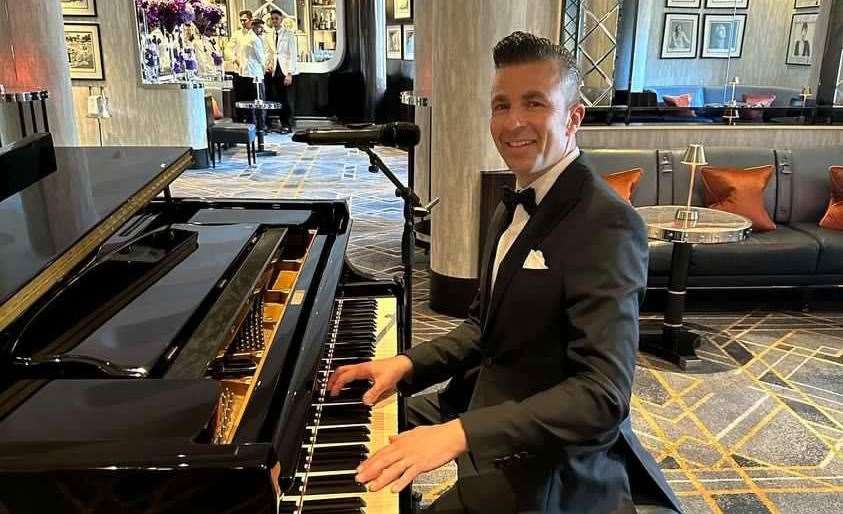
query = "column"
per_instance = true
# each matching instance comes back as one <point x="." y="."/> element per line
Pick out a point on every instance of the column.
<point x="463" y="35"/>
<point x="33" y="54"/>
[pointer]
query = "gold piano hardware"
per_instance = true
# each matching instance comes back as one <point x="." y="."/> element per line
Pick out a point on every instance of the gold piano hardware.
<point x="298" y="297"/>
<point x="252" y="340"/>
<point x="59" y="269"/>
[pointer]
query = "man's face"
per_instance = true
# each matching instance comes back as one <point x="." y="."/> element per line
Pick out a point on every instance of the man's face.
<point x="276" y="21"/>
<point x="245" y="22"/>
<point x="258" y="28"/>
<point x="532" y="123"/>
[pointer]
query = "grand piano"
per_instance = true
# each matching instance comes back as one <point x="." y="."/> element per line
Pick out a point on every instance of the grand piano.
<point x="169" y="355"/>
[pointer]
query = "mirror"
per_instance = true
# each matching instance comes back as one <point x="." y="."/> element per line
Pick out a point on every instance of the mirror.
<point x="700" y="61"/>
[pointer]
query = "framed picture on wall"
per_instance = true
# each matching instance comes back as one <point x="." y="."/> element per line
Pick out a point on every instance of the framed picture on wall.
<point x="727" y="4"/>
<point x="393" y="41"/>
<point x="79" y="7"/>
<point x="409" y="42"/>
<point x="800" y="46"/>
<point x="690" y="4"/>
<point x="723" y="35"/>
<point x="84" y="51"/>
<point x="679" y="36"/>
<point x="402" y="9"/>
<point x="806" y="4"/>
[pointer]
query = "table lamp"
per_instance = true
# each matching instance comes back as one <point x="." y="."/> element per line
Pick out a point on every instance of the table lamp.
<point x="730" y="114"/>
<point x="694" y="156"/>
<point x="806" y="92"/>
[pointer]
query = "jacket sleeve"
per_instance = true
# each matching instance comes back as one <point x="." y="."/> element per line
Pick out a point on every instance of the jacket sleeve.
<point x="603" y="283"/>
<point x="445" y="356"/>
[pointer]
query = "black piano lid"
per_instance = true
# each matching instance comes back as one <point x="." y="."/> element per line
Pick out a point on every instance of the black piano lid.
<point x="143" y="331"/>
<point x="45" y="219"/>
<point x="112" y="410"/>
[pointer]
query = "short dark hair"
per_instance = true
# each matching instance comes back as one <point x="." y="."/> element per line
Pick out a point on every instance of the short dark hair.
<point x="523" y="47"/>
<point x="276" y="11"/>
<point x="258" y="21"/>
<point x="247" y="13"/>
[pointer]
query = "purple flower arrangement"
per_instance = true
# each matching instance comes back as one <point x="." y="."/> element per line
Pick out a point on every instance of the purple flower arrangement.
<point x="207" y="17"/>
<point x="168" y="14"/>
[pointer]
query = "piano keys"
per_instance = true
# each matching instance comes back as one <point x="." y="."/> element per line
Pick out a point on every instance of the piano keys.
<point x="164" y="355"/>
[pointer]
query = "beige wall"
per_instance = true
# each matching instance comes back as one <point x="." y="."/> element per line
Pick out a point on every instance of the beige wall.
<point x="762" y="62"/>
<point x="142" y="115"/>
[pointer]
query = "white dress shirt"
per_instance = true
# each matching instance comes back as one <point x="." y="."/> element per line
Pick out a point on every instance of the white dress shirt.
<point x="252" y="56"/>
<point x="520" y="218"/>
<point x="232" y="49"/>
<point x="282" y="51"/>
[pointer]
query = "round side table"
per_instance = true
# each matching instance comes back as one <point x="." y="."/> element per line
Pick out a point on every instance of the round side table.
<point x="674" y="342"/>
<point x="260" y="125"/>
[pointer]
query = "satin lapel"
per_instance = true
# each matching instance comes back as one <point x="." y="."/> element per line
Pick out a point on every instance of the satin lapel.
<point x="558" y="202"/>
<point x="495" y="230"/>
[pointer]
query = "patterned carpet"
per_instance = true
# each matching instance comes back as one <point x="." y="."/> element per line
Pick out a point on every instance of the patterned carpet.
<point x="758" y="428"/>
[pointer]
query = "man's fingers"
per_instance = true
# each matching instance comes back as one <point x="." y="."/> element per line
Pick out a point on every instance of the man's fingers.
<point x="374" y="465"/>
<point x="343" y="375"/>
<point x="371" y="396"/>
<point x="389" y="475"/>
<point x="405" y="479"/>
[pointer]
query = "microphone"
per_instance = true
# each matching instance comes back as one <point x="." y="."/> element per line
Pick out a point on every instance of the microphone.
<point x="398" y="134"/>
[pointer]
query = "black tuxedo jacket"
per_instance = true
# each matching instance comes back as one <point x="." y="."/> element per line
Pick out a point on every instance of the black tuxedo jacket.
<point x="547" y="424"/>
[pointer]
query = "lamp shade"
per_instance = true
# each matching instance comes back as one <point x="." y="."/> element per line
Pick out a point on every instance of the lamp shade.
<point x="694" y="155"/>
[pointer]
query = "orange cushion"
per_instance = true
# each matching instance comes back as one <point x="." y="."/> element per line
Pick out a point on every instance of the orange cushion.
<point x="833" y="218"/>
<point x="739" y="191"/>
<point x="759" y="101"/>
<point x="216" y="109"/>
<point x="678" y="101"/>
<point x="624" y="182"/>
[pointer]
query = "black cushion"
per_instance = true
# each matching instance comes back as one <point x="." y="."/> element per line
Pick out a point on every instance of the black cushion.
<point x="233" y="133"/>
<point x="831" y="246"/>
<point x="782" y="251"/>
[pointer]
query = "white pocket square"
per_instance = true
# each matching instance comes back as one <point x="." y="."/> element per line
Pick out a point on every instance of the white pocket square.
<point x="535" y="260"/>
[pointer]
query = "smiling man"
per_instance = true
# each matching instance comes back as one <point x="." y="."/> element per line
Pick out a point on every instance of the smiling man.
<point x="536" y="414"/>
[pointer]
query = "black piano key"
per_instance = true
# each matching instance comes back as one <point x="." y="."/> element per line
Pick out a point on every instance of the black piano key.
<point x="335" y="506"/>
<point x="353" y="351"/>
<point x="343" y="435"/>
<point x="348" y="362"/>
<point x="343" y="396"/>
<point x="345" y="414"/>
<point x="345" y="450"/>
<point x="333" y="484"/>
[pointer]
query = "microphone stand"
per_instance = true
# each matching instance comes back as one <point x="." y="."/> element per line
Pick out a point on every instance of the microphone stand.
<point x="412" y="209"/>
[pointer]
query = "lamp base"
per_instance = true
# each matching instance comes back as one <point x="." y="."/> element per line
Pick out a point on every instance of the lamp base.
<point x="690" y="216"/>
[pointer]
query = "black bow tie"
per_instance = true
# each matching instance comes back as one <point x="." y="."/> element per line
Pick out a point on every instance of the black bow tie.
<point x="526" y="198"/>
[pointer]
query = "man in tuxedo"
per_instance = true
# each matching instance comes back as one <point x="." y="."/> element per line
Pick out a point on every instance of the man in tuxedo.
<point x="542" y="424"/>
<point x="282" y="65"/>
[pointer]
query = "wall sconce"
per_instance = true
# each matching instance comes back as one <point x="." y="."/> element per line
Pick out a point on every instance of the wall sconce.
<point x="806" y="92"/>
<point x="694" y="156"/>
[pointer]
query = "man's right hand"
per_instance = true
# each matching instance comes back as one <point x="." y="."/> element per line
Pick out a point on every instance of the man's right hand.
<point x="384" y="375"/>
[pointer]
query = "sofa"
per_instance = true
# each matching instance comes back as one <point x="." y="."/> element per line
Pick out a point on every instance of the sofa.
<point x="797" y="254"/>
<point x="722" y="94"/>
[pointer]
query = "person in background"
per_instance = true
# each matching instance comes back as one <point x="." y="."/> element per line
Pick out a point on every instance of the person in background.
<point x="242" y="86"/>
<point x="252" y="58"/>
<point x="282" y="65"/>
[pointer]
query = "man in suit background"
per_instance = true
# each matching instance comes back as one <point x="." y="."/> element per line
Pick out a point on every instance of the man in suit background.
<point x="542" y="426"/>
<point x="282" y="65"/>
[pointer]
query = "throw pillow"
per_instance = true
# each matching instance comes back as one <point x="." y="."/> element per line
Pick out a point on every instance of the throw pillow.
<point x="679" y="101"/>
<point x="217" y="113"/>
<point x="833" y="217"/>
<point x="739" y="191"/>
<point x="756" y="101"/>
<point x="624" y="182"/>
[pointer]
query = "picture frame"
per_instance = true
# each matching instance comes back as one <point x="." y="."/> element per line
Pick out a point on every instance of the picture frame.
<point x="84" y="51"/>
<point x="806" y="4"/>
<point x="86" y="8"/>
<point x="723" y="36"/>
<point x="683" y="4"/>
<point x="402" y="9"/>
<point x="393" y="42"/>
<point x="679" y="36"/>
<point x="409" y="42"/>
<point x="727" y="4"/>
<point x="800" y="41"/>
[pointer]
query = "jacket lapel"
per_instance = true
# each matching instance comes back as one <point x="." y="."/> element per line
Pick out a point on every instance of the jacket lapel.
<point x="558" y="202"/>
